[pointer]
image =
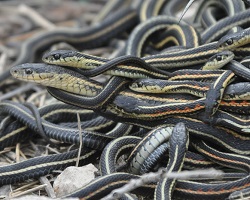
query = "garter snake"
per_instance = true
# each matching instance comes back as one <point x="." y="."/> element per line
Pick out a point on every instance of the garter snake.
<point x="164" y="86"/>
<point x="216" y="91"/>
<point x="194" y="56"/>
<point x="113" y="150"/>
<point x="152" y="140"/>
<point x="127" y="66"/>
<point x="137" y="69"/>
<point x="218" y="60"/>
<point x="179" y="141"/>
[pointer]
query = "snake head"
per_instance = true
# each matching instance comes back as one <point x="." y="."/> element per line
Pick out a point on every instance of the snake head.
<point x="146" y="86"/>
<point x="218" y="60"/>
<point x="31" y="72"/>
<point x="234" y="40"/>
<point x="136" y="84"/>
<point x="179" y="138"/>
<point x="58" y="56"/>
<point x="22" y="71"/>
<point x="72" y="58"/>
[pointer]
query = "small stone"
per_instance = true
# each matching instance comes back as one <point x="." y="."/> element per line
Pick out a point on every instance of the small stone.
<point x="73" y="178"/>
<point x="4" y="191"/>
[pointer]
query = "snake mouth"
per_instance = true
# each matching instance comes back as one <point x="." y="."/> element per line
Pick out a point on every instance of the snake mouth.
<point x="41" y="76"/>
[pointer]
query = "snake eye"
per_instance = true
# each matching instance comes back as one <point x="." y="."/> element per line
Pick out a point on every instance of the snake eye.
<point x="28" y="71"/>
<point x="56" y="56"/>
<point x="219" y="58"/>
<point x="229" y="42"/>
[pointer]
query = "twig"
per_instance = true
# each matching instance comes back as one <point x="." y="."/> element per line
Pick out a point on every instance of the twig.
<point x="25" y="186"/>
<point x="22" y="154"/>
<point x="80" y="138"/>
<point x="52" y="149"/>
<point x="10" y="157"/>
<point x="186" y="9"/>
<point x="35" y="148"/>
<point x="8" y="149"/>
<point x="155" y="177"/>
<point x="18" y="152"/>
<point x="49" y="189"/>
<point x="29" y="191"/>
<point x="36" y="17"/>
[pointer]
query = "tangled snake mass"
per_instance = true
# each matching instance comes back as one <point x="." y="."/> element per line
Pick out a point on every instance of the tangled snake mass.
<point x="173" y="96"/>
